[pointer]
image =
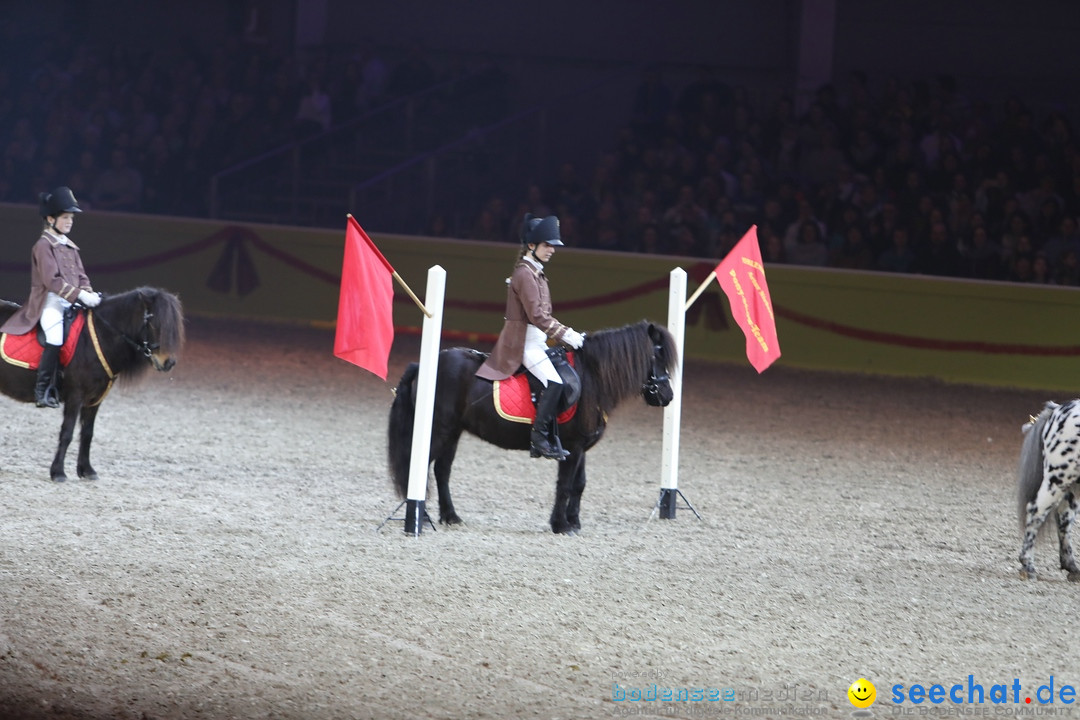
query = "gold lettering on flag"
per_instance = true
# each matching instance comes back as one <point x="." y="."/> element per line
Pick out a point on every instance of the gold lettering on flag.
<point x="742" y="278"/>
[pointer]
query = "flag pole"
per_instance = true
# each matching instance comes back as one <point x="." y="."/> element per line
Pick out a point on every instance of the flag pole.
<point x="415" y="299"/>
<point x="697" y="293"/>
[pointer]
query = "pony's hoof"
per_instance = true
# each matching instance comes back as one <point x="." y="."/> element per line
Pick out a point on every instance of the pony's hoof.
<point x="1074" y="576"/>
<point x="1028" y="575"/>
<point x="451" y="520"/>
<point x="59" y="478"/>
<point x="91" y="476"/>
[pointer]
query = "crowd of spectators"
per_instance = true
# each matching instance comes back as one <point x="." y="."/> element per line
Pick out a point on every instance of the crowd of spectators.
<point x="145" y="128"/>
<point x="912" y="178"/>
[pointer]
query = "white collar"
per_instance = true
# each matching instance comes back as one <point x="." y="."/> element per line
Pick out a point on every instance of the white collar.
<point x="57" y="237"/>
<point x="538" y="265"/>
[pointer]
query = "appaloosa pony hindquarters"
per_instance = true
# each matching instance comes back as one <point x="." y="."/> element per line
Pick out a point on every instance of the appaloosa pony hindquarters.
<point x="1048" y="477"/>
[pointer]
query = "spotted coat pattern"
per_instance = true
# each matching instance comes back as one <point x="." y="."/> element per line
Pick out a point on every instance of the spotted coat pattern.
<point x="1049" y="477"/>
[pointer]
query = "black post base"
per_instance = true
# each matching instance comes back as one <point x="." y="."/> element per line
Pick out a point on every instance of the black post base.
<point x="415" y="517"/>
<point x="667" y="503"/>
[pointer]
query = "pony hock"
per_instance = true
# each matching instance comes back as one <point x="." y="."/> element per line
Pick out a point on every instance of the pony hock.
<point x="613" y="365"/>
<point x="121" y="338"/>
<point x="1048" y="477"/>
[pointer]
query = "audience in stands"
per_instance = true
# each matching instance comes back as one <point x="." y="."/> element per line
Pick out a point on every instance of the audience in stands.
<point x="914" y="179"/>
<point x="909" y="176"/>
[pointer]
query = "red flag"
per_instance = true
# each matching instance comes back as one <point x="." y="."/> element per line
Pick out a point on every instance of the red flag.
<point x="742" y="277"/>
<point x="365" y="320"/>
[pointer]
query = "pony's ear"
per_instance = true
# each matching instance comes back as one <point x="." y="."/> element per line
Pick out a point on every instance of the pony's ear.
<point x="654" y="333"/>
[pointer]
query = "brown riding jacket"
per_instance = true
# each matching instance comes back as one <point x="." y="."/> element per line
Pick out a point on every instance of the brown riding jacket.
<point x="528" y="302"/>
<point x="55" y="266"/>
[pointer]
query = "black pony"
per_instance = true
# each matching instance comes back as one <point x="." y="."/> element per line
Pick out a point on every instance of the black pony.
<point x="123" y="336"/>
<point x="613" y="365"/>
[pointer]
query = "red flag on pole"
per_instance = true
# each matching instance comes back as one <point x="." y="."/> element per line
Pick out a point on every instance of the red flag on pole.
<point x="365" y="320"/>
<point x="742" y="277"/>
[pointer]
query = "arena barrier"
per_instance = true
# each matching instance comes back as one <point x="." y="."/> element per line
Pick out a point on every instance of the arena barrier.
<point x="955" y="330"/>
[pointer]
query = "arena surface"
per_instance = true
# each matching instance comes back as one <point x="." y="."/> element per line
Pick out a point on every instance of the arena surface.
<point x="227" y="565"/>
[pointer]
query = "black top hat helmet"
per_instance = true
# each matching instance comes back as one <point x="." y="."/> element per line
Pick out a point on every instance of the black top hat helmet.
<point x="59" y="201"/>
<point x="536" y="230"/>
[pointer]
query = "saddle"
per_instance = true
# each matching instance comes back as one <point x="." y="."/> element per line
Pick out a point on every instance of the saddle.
<point x="25" y="350"/>
<point x="514" y="396"/>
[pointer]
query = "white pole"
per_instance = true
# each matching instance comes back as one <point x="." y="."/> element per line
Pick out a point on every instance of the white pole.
<point x="425" y="401"/>
<point x="669" y="469"/>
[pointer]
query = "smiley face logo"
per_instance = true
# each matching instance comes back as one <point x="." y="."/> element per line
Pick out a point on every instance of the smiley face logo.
<point x="862" y="693"/>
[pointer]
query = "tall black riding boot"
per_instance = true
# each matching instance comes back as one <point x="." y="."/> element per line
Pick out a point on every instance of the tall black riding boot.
<point x="45" y="389"/>
<point x="546" y="409"/>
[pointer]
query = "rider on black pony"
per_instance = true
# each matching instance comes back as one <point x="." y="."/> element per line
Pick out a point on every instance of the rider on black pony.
<point x="527" y="328"/>
<point x="57" y="279"/>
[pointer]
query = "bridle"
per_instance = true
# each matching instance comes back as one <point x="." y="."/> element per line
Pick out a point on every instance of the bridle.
<point x="142" y="344"/>
<point x="651" y="388"/>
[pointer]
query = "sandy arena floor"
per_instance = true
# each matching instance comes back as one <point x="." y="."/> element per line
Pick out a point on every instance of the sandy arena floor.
<point x="226" y="565"/>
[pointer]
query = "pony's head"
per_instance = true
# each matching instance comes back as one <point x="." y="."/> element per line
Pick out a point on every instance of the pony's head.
<point x="657" y="389"/>
<point x="635" y="359"/>
<point x="151" y="322"/>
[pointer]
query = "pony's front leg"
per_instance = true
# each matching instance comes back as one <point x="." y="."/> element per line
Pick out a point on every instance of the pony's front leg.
<point x="1066" y="515"/>
<point x="560" y="520"/>
<point x="577" y="487"/>
<point x="86" y="435"/>
<point x="67" y="431"/>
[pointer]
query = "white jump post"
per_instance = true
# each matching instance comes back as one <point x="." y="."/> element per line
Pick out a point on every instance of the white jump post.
<point x="669" y="467"/>
<point x="415" y="514"/>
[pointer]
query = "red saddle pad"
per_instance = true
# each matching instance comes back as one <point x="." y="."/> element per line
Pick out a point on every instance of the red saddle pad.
<point x="25" y="350"/>
<point x="513" y="399"/>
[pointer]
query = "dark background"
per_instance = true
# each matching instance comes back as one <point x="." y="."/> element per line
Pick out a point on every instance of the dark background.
<point x="510" y="92"/>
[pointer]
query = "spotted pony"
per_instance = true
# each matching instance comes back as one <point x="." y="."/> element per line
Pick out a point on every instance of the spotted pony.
<point x="1048" y="480"/>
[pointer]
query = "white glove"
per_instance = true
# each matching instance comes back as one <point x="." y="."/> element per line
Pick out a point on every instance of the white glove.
<point x="89" y="299"/>
<point x="573" y="338"/>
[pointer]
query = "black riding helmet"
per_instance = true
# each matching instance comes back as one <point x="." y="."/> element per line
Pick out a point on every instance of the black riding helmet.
<point x="59" y="201"/>
<point x="536" y="230"/>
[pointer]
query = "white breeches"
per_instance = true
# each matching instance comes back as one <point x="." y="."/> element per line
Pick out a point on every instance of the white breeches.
<point x="535" y="358"/>
<point x="52" y="318"/>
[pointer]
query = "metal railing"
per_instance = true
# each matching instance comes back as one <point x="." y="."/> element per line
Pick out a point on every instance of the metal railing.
<point x="279" y="184"/>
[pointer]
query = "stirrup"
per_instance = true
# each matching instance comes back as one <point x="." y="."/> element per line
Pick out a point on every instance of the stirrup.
<point x="552" y="452"/>
<point x="47" y="399"/>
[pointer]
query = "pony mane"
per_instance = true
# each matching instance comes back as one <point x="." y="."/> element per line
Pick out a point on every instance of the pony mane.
<point x="619" y="360"/>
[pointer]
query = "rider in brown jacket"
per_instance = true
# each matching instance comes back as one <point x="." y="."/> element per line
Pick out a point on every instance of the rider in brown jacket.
<point x="57" y="279"/>
<point x="527" y="328"/>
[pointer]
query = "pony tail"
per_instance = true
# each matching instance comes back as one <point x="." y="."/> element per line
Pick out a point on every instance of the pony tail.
<point x="1031" y="463"/>
<point x="402" y="412"/>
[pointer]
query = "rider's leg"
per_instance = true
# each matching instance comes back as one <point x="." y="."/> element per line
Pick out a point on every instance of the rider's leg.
<point x="52" y="322"/>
